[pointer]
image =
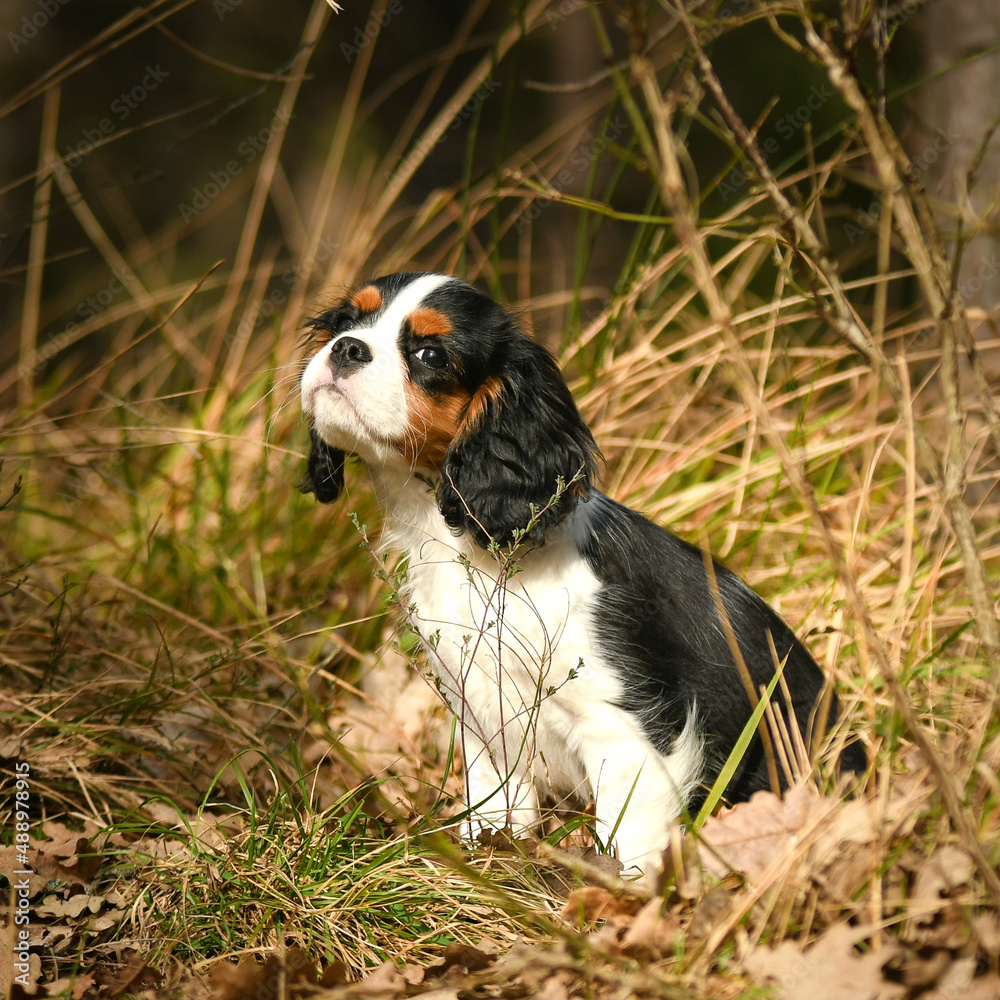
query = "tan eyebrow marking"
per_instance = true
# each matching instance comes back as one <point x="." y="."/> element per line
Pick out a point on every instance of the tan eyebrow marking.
<point x="368" y="299"/>
<point x="425" y="322"/>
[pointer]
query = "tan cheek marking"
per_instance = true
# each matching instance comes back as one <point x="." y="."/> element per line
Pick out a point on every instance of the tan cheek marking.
<point x="433" y="426"/>
<point x="426" y="322"/>
<point x="368" y="299"/>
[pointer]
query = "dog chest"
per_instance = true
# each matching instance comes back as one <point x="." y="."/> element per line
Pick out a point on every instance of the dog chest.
<point x="516" y="653"/>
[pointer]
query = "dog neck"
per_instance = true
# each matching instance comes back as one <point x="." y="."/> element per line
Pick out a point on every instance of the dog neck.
<point x="412" y="517"/>
<point x="414" y="525"/>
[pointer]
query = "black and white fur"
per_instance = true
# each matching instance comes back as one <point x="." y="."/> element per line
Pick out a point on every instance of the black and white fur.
<point x="600" y="666"/>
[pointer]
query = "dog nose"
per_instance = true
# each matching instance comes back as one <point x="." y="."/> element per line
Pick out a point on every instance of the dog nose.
<point x="348" y="355"/>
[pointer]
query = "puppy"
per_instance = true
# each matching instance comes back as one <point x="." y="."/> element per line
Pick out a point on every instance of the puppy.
<point x="578" y="643"/>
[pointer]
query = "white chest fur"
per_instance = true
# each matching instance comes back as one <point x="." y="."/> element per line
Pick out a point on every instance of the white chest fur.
<point x="516" y="654"/>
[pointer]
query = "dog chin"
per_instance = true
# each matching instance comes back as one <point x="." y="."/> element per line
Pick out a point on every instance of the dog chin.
<point x="334" y="418"/>
<point x="336" y="423"/>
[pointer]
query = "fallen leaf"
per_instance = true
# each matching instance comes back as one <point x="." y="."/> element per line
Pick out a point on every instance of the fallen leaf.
<point x="106" y="920"/>
<point x="710" y="910"/>
<point x="503" y="840"/>
<point x="751" y="835"/>
<point x="464" y="956"/>
<point x="34" y="975"/>
<point x="135" y="976"/>
<point x="69" y="986"/>
<point x="385" y="981"/>
<point x="334" y="974"/>
<point x="556" y="987"/>
<point x="251" y="981"/>
<point x="937" y="880"/>
<point x="830" y="969"/>
<point x="986" y="927"/>
<point x="54" y="906"/>
<point x="593" y="902"/>
<point x="413" y="974"/>
<point x="229" y="981"/>
<point x="961" y="981"/>
<point x="10" y="861"/>
<point x="82" y="984"/>
<point x="64" y="842"/>
<point x="651" y="934"/>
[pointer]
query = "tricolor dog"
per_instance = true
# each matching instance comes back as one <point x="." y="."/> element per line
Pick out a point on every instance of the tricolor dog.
<point x="578" y="643"/>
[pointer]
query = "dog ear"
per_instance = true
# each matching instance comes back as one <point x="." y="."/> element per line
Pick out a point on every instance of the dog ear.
<point x="521" y="444"/>
<point x="325" y="473"/>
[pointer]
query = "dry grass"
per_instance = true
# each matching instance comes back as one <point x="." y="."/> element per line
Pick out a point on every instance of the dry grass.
<point x="196" y="659"/>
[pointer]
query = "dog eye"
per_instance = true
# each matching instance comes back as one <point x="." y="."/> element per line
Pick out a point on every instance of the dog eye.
<point x="345" y="323"/>
<point x="431" y="357"/>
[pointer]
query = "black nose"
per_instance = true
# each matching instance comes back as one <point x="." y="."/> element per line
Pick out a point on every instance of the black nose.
<point x="348" y="355"/>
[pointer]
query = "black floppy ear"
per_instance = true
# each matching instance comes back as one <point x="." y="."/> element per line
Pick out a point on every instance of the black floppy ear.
<point x="325" y="474"/>
<point x="522" y="443"/>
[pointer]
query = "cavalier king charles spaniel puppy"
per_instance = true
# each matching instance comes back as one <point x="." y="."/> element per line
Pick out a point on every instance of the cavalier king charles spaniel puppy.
<point x="578" y="643"/>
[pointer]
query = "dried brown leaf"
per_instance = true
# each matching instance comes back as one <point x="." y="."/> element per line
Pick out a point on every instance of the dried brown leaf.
<point x="710" y="910"/>
<point x="960" y="980"/>
<point x="135" y="976"/>
<point x="64" y="842"/>
<point x="651" y="934"/>
<point x="251" y="981"/>
<point x="17" y="991"/>
<point x="9" y="862"/>
<point x="937" y="880"/>
<point x="986" y="927"/>
<point x="82" y="984"/>
<point x="830" y="969"/>
<point x="751" y="835"/>
<point x="334" y="974"/>
<point x="54" y="906"/>
<point x="385" y="981"/>
<point x="556" y="987"/>
<point x="593" y="902"/>
<point x="240" y="982"/>
<point x="106" y="920"/>
<point x="920" y="969"/>
<point x="463" y="956"/>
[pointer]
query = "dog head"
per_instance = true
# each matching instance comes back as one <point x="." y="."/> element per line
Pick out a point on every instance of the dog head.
<point x="423" y="373"/>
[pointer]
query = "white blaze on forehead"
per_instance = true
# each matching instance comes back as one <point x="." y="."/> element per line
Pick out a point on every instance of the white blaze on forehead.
<point x="369" y="406"/>
<point x="410" y="297"/>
